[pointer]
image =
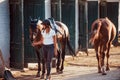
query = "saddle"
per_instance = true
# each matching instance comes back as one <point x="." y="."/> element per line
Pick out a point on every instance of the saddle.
<point x="54" y="26"/>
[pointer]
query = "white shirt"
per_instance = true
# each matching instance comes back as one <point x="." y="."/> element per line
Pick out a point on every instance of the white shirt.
<point x="48" y="37"/>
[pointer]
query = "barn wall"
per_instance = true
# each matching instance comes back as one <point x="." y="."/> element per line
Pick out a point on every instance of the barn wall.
<point x="4" y="31"/>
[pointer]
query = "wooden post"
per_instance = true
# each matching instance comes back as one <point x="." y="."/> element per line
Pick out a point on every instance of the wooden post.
<point x="2" y="65"/>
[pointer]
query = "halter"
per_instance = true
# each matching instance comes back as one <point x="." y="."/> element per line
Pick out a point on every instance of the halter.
<point x="33" y="26"/>
<point x="34" y="23"/>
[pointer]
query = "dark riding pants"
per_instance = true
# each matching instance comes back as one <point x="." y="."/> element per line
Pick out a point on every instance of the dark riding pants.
<point x="48" y="52"/>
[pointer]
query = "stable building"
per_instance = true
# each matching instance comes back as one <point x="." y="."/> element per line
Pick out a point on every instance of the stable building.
<point x="78" y="15"/>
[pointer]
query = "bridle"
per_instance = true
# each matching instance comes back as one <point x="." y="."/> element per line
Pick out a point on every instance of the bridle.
<point x="33" y="30"/>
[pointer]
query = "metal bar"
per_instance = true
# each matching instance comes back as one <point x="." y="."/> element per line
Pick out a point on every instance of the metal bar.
<point x="22" y="23"/>
<point x="60" y="7"/>
<point x="47" y="9"/>
<point x="86" y="24"/>
<point x="76" y="25"/>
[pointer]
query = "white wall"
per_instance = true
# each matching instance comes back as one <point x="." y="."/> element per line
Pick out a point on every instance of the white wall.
<point x="47" y="9"/>
<point x="5" y="30"/>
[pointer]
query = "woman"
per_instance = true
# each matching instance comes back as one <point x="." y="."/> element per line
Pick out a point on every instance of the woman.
<point x="49" y="45"/>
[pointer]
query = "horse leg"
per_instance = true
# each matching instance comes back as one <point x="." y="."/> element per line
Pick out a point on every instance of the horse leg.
<point x="70" y="47"/>
<point x="102" y="63"/>
<point x="98" y="56"/>
<point x="58" y="60"/>
<point x="113" y="34"/>
<point x="98" y="59"/>
<point x="102" y="60"/>
<point x="63" y="55"/>
<point x="107" y="56"/>
<point x="63" y="58"/>
<point x="39" y="66"/>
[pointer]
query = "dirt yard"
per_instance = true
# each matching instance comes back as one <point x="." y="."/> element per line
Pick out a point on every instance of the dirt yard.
<point x="82" y="67"/>
<point x="84" y="60"/>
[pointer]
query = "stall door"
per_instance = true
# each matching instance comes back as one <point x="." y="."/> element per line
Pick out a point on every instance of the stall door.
<point x="110" y="10"/>
<point x="103" y="9"/>
<point x="92" y="16"/>
<point x="82" y="26"/>
<point x="35" y="9"/>
<point x="55" y="9"/>
<point x="68" y="17"/>
<point x="16" y="59"/>
<point x="112" y="14"/>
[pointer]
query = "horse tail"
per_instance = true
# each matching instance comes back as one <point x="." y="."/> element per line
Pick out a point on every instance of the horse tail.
<point x="95" y="31"/>
<point x="72" y="52"/>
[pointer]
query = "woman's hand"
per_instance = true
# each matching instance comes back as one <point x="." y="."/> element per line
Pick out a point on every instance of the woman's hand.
<point x="38" y="43"/>
<point x="33" y="44"/>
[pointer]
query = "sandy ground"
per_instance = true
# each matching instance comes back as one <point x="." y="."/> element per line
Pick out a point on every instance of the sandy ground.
<point x="75" y="73"/>
<point x="82" y="67"/>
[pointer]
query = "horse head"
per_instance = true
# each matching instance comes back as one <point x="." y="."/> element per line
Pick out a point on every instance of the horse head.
<point x="34" y="28"/>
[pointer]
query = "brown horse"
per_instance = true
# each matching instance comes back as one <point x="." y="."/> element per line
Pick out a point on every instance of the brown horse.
<point x="103" y="32"/>
<point x="63" y="40"/>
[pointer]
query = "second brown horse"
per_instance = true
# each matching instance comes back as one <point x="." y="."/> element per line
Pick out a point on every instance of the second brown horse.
<point x="103" y="32"/>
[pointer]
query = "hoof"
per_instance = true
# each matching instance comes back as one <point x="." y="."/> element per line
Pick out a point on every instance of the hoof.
<point x="107" y="69"/>
<point x="42" y="76"/>
<point x="99" y="71"/>
<point x="38" y="74"/>
<point x="103" y="70"/>
<point x="48" y="77"/>
<point x="104" y="73"/>
<point x="59" y="71"/>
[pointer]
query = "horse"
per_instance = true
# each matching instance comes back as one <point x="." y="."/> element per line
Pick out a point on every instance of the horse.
<point x="103" y="32"/>
<point x="63" y="39"/>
